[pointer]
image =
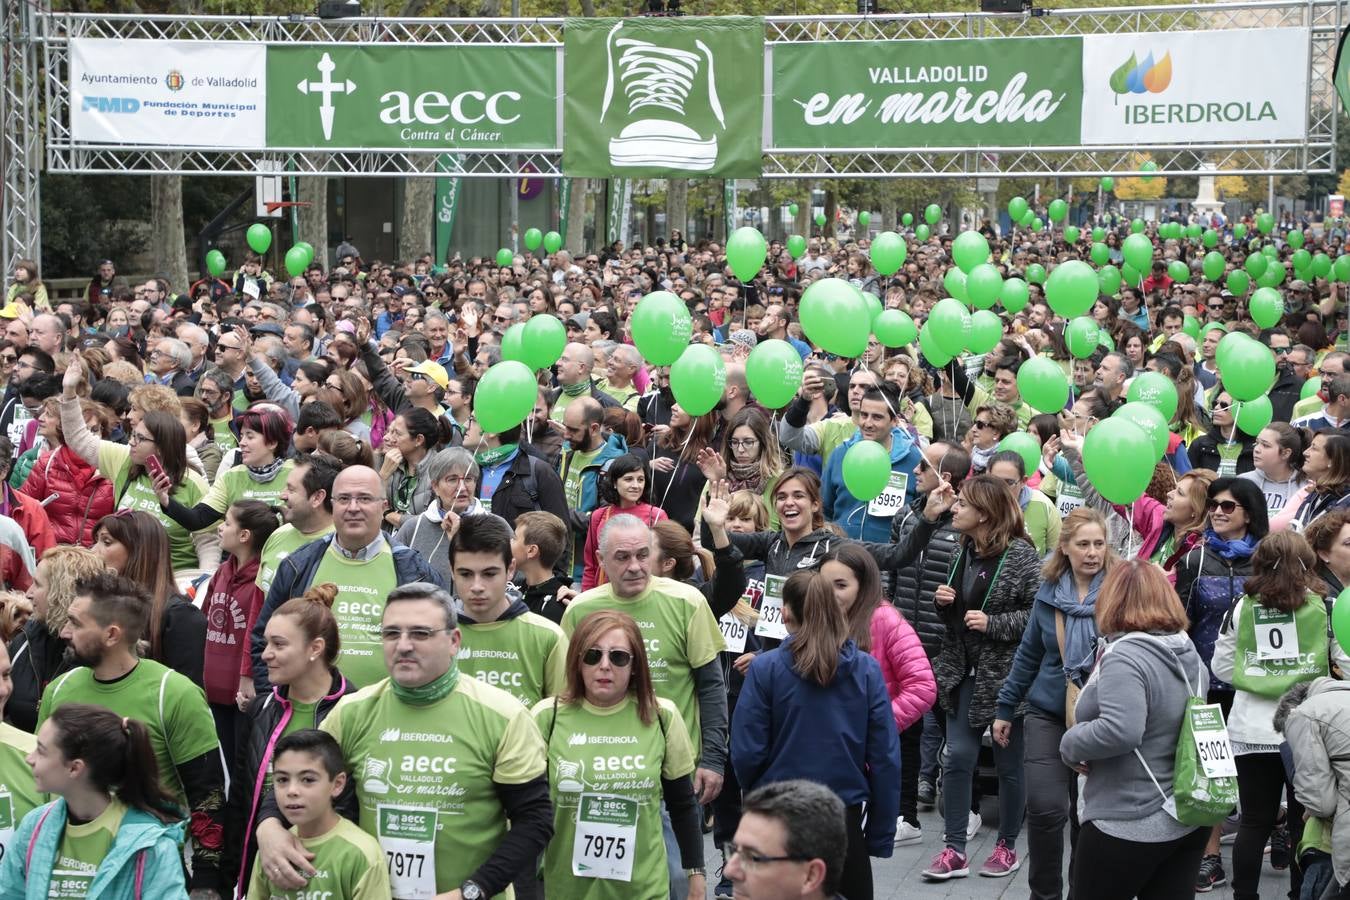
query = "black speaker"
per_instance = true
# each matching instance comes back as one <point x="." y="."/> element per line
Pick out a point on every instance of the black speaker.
<point x="1002" y="6"/>
<point x="338" y="9"/>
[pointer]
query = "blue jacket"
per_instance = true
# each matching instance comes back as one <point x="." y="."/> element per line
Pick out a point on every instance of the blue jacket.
<point x="25" y="876"/>
<point x="845" y="510"/>
<point x="841" y="735"/>
<point x="1037" y="673"/>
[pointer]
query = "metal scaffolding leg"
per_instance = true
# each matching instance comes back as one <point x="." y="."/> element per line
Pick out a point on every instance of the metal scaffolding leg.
<point x="20" y="137"/>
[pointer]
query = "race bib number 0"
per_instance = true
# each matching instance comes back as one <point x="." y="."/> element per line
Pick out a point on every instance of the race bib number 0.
<point x="889" y="501"/>
<point x="407" y="835"/>
<point x="606" y="837"/>
<point x="1276" y="634"/>
<point x="770" y="623"/>
<point x="734" y="632"/>
<point x="1211" y="741"/>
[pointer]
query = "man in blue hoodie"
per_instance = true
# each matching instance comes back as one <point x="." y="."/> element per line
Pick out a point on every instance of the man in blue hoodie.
<point x="583" y="456"/>
<point x="878" y="420"/>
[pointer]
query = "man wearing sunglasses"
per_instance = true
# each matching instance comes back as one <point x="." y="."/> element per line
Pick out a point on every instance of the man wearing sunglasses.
<point x="1335" y="412"/>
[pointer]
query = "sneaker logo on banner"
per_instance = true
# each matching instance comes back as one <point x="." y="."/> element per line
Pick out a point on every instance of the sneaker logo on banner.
<point x="657" y="82"/>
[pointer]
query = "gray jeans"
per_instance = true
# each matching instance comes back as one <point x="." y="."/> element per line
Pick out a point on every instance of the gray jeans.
<point x="1052" y="800"/>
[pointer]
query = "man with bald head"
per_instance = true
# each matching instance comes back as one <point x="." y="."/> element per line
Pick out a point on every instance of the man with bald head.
<point x="574" y="380"/>
<point x="683" y="642"/>
<point x="362" y="562"/>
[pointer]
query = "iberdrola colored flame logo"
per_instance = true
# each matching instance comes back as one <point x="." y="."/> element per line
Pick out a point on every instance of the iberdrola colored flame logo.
<point x="1135" y="77"/>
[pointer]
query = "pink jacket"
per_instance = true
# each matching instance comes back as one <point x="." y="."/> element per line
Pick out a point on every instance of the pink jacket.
<point x="904" y="665"/>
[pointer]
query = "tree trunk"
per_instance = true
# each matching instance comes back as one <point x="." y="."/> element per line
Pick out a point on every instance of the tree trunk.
<point x="313" y="219"/>
<point x="168" y="249"/>
<point x="831" y="207"/>
<point x="419" y="201"/>
<point x="677" y="207"/>
<point x="576" y="218"/>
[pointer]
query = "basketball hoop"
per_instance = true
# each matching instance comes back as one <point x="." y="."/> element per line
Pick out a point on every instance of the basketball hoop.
<point x="273" y="205"/>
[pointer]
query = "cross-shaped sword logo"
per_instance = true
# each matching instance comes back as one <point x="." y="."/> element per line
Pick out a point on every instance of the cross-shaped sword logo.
<point x="326" y="87"/>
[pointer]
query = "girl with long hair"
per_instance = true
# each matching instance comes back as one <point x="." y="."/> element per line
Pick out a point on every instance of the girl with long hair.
<point x="750" y="460"/>
<point x="112" y="821"/>
<point x="1278" y="457"/>
<point x="623" y="487"/>
<point x="677" y="481"/>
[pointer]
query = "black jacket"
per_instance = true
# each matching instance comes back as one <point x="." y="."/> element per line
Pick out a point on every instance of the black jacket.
<point x="1204" y="453"/>
<point x="529" y="484"/>
<point x="918" y="567"/>
<point x="37" y="657"/>
<point x="1284" y="393"/>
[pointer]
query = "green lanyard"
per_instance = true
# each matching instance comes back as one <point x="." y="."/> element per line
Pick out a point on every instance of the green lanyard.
<point x="956" y="564"/>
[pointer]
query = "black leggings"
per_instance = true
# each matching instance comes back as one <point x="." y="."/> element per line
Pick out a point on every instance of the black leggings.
<point x="1108" y="868"/>
<point x="1261" y="783"/>
<point x="911" y="742"/>
<point x="856" y="880"/>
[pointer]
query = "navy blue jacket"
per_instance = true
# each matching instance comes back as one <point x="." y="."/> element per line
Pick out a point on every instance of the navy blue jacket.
<point x="841" y="735"/>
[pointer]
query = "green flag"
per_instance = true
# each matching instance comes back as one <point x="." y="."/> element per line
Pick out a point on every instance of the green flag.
<point x="447" y="202"/>
<point x="564" y="202"/>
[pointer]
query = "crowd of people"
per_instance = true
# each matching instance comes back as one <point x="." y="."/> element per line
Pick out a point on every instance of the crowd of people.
<point x="280" y="619"/>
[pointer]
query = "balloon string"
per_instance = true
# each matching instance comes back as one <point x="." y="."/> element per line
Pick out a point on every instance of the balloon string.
<point x="1232" y="430"/>
<point x="1129" y="537"/>
<point x="678" y="462"/>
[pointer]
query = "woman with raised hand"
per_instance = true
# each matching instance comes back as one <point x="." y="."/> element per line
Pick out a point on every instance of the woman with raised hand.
<point x="410" y="442"/>
<point x="750" y="459"/>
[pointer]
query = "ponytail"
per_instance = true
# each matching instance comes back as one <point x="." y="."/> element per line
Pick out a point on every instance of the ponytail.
<point x="821" y="629"/>
<point x="118" y="754"/>
<point x="313" y="614"/>
<point x="258" y="518"/>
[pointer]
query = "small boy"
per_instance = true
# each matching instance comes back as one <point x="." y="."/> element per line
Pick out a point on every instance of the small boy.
<point x="308" y="774"/>
<point x="540" y="541"/>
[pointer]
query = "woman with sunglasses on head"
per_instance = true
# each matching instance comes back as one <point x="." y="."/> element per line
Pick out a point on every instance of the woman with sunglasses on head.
<point x="1326" y="462"/>
<point x="1225" y="448"/>
<point x="609" y="695"/>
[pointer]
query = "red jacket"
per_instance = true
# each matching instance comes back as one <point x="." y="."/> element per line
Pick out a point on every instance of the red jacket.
<point x="232" y="604"/>
<point x="32" y="518"/>
<point x="904" y="665"/>
<point x="83" y="496"/>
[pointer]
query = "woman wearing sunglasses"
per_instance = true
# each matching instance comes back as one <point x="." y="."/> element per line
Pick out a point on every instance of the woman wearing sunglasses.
<point x="608" y="787"/>
<point x="1225" y="448"/>
<point x="992" y="424"/>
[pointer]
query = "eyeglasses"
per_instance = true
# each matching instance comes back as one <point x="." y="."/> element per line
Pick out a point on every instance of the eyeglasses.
<point x="618" y="658"/>
<point x="1227" y="507"/>
<point x="358" y="499"/>
<point x="981" y="423"/>
<point x="8" y="359"/>
<point x="416" y="635"/>
<point x="743" y="443"/>
<point x="418" y="376"/>
<point x="497" y="318"/>
<point x="1222" y="407"/>
<point x="922" y="465"/>
<point x="220" y="347"/>
<point x="750" y="859"/>
<point x="137" y="438"/>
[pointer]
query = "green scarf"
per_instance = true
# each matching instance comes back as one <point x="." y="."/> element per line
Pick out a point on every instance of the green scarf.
<point x="576" y="390"/>
<point x="430" y="692"/>
<point x="486" y="459"/>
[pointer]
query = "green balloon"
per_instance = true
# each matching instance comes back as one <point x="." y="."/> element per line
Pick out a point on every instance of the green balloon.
<point x="746" y="250"/>
<point x="820" y="220"/>
<point x="504" y="396"/>
<point x="1270" y="252"/>
<point x="552" y="242"/>
<point x="1302" y="260"/>
<point x="1100" y="254"/>
<point x="1148" y="166"/>
<point x="1191" y="325"/>
<point x="1256" y="265"/>
<point x="309" y="251"/>
<point x="935" y="355"/>
<point x="1138" y="226"/>
<point x="1027" y="219"/>
<point x="873" y="303"/>
<point x="544" y="340"/>
<point x="1342" y="266"/>
<point x="1042" y="384"/>
<point x="1239" y="231"/>
<point x="1250" y="369"/>
<point x="1106" y="340"/>
<point x="1265" y="222"/>
<point x="534" y="239"/>
<point x="1071" y="288"/>
<point x="1179" y="271"/>
<point x="1340" y="619"/>
<point x="793" y="209"/>
<point x="796" y="245"/>
<point x="1098" y="234"/>
<point x="1037" y="224"/>
<point x="295" y="262"/>
<point x="698" y="379"/>
<point x="1017" y="208"/>
<point x="1213" y="265"/>
<point x="1266" y="307"/>
<point x="1130" y="275"/>
<point x="950" y="323"/>
<point x="661" y="327"/>
<point x="894" y="328"/>
<point x="1024" y="445"/>
<point x="505" y="258"/>
<point x="986" y="330"/>
<point x="1253" y="415"/>
<point x="1238" y="282"/>
<point x="932" y="214"/>
<point x="774" y="372"/>
<point x="1082" y="335"/>
<point x="215" y="263"/>
<point x="1035" y="273"/>
<point x="907" y="219"/>
<point x="1138" y="252"/>
<point x="969" y="250"/>
<point x="955" y="282"/>
<point x="1108" y="280"/>
<point x="1273" y="276"/>
<point x="1194" y="231"/>
<point x="835" y="317"/>
<point x="1057" y="210"/>
<point x="1310" y="387"/>
<point x="259" y="237"/>
<point x="1015" y="295"/>
<point x="1321" y="265"/>
<point x="1071" y="234"/>
<point x="1157" y="390"/>
<point x="1107" y="183"/>
<point x="1294" y="239"/>
<point x="922" y="233"/>
<point x="983" y="285"/>
<point x="1118" y="460"/>
<point x="888" y="252"/>
<point x="866" y="470"/>
<point x="1210" y="238"/>
<point x="864" y="218"/>
<point x="1150" y="421"/>
<point x="513" y="343"/>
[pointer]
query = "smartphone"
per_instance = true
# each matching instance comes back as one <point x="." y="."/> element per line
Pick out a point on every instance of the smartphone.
<point x="155" y="467"/>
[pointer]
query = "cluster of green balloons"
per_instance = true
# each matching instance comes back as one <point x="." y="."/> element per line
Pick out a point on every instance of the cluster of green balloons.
<point x="661" y="327"/>
<point x="215" y="263"/>
<point x="537" y="343"/>
<point x="298" y="259"/>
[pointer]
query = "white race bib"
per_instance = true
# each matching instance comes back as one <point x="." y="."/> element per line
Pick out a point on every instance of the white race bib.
<point x="770" y="623"/>
<point x="606" y="838"/>
<point x="407" y="835"/>
<point x="1276" y="634"/>
<point x="1211" y="741"/>
<point x="251" y="288"/>
<point x="734" y="632"/>
<point x="889" y="501"/>
<point x="7" y="823"/>
<point x="1068" y="499"/>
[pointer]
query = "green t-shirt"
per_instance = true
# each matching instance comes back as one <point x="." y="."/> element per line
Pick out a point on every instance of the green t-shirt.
<point x="172" y="707"/>
<point x="222" y="435"/>
<point x="440" y="759"/>
<point x="832" y="432"/>
<point x="283" y="542"/>
<point x="525" y="656"/>
<point x="678" y="630"/>
<point x="302" y="717"/>
<point x="83" y="848"/>
<point x="359" y="609"/>
<point x="114" y="463"/>
<point x="18" y="794"/>
<point x="348" y="864"/>
<point x="576" y="463"/>
<point x="236" y="484"/>
<point x="594" y="751"/>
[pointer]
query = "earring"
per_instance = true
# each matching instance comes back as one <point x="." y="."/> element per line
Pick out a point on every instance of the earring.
<point x="312" y="658"/>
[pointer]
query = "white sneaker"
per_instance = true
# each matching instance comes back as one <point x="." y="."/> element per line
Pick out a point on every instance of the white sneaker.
<point x="906" y="833"/>
<point x="973" y="826"/>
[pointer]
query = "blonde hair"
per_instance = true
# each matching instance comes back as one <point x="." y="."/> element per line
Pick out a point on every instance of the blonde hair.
<point x="122" y="371"/>
<point x="151" y="397"/>
<point x="66" y="565"/>
<point x="1075" y="521"/>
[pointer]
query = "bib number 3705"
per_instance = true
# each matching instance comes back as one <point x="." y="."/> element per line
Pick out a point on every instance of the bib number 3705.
<point x="606" y="837"/>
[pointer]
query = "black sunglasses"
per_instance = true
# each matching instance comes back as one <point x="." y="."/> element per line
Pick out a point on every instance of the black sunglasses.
<point x="1227" y="507"/>
<point x="618" y="658"/>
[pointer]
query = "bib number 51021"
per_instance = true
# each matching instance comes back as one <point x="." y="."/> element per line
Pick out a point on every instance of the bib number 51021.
<point x="1212" y="746"/>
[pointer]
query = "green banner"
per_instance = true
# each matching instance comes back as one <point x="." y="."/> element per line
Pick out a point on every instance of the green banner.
<point x="729" y="204"/>
<point x="663" y="97"/>
<point x="618" y="196"/>
<point x="1342" y="70"/>
<point x="958" y="93"/>
<point x="397" y="97"/>
<point x="447" y="204"/>
<point x="564" y="203"/>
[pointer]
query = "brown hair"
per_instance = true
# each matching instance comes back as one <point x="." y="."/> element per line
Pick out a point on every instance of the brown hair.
<point x="118" y="755"/>
<point x="1136" y="596"/>
<point x="588" y="631"/>
<point x="66" y="566"/>
<point x="1002" y="418"/>
<point x="749" y="505"/>
<point x="1195" y="484"/>
<point x="313" y="615"/>
<point x="546" y="531"/>
<point x="1283" y="572"/>
<point x="991" y="497"/>
<point x="1077" y="519"/>
<point x="1323" y="531"/>
<point x="821" y="629"/>
<point x="770" y="456"/>
<point x="346" y="448"/>
<point x="864" y="569"/>
<point x="675" y="543"/>
<point x="811" y="483"/>
<point x="148" y="563"/>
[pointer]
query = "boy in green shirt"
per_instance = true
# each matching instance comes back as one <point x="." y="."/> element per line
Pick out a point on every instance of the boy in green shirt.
<point x="308" y="774"/>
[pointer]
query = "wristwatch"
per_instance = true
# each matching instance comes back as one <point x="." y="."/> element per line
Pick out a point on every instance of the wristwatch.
<point x="470" y="890"/>
<point x="699" y="870"/>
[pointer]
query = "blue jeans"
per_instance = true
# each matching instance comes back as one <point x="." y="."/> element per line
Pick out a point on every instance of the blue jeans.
<point x="930" y="747"/>
<point x="963" y="751"/>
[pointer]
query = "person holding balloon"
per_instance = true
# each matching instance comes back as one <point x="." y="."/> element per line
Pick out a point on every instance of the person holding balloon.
<point x="856" y="470"/>
<point x="1225" y="448"/>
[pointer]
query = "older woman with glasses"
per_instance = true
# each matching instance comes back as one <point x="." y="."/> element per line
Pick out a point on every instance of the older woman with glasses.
<point x="607" y="840"/>
<point x="991" y="424"/>
<point x="453" y="476"/>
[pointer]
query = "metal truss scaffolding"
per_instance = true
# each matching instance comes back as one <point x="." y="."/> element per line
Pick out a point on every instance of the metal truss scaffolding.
<point x="21" y="137"/>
